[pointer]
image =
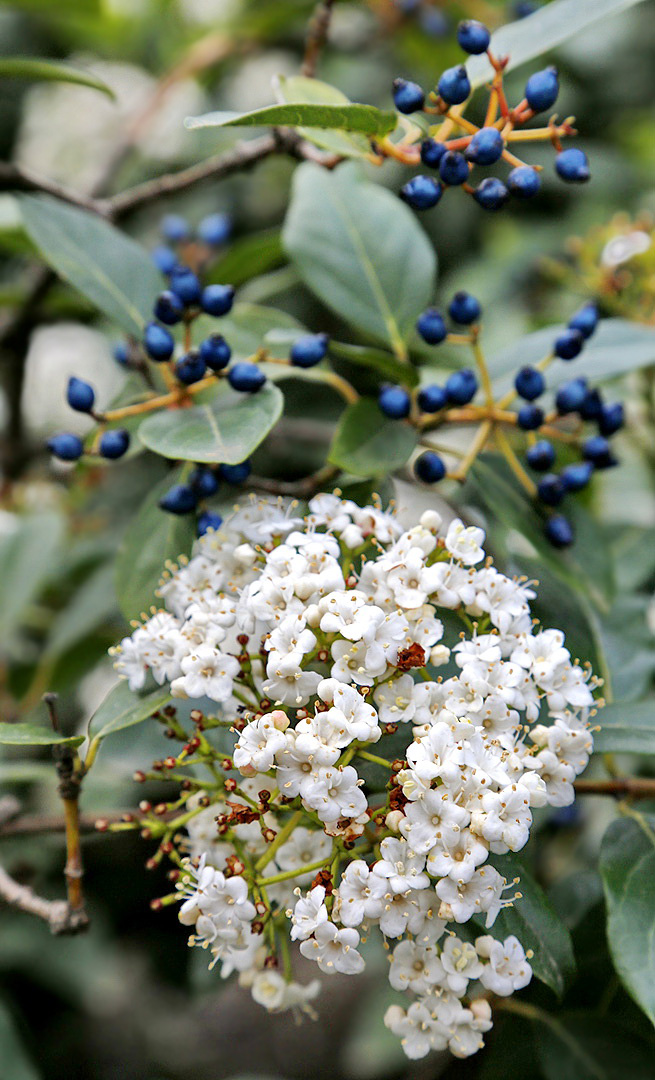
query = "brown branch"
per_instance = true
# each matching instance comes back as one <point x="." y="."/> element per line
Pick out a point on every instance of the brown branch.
<point x="317" y="32"/>
<point x="633" y="786"/>
<point x="16" y="178"/>
<point x="55" y="912"/>
<point x="30" y="825"/>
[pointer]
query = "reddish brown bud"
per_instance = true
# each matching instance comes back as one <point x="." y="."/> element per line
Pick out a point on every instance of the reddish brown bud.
<point x="170" y="733"/>
<point x="161" y="809"/>
<point x="170" y="711"/>
<point x="152" y="864"/>
<point x="263" y="796"/>
<point x="204" y="800"/>
<point x="170" y="762"/>
<point x="173" y="875"/>
<point x="139" y="776"/>
<point x="156" y="905"/>
<point x="243" y="639"/>
<point x="145" y="807"/>
<point x="260" y="908"/>
<point x="270" y="962"/>
<point x="196" y="716"/>
<point x="269" y="835"/>
<point x="265" y="703"/>
<point x="257" y="927"/>
<point x="226" y="763"/>
<point x="102" y="824"/>
<point x="230" y="784"/>
<point x="390" y="729"/>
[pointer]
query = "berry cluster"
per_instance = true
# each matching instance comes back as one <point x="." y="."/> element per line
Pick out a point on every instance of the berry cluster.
<point x="455" y="147"/>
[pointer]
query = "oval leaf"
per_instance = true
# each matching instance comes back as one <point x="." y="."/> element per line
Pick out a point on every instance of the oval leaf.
<point x="248" y="328"/>
<point x="27" y="558"/>
<point x="23" y="67"/>
<point x="35" y="735"/>
<point x="587" y="1046"/>
<point x="628" y="728"/>
<point x="365" y="119"/>
<point x="299" y="88"/>
<point x="366" y="444"/>
<point x="123" y="708"/>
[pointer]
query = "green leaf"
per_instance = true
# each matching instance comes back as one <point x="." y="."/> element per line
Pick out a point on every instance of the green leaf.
<point x="298" y="88"/>
<point x="35" y="735"/>
<point x="366" y="444"/>
<point x="23" y="67"/>
<point x="627" y="866"/>
<point x="111" y="270"/>
<point x="152" y="538"/>
<point x="383" y="363"/>
<point x="16" y="1060"/>
<point x="361" y="251"/>
<point x="27" y="556"/>
<point x="26" y="772"/>
<point x="544" y="30"/>
<point x="93" y="603"/>
<point x="586" y="1046"/>
<point x="248" y="257"/>
<point x="226" y="429"/>
<point x="122" y="708"/>
<point x="365" y="119"/>
<point x="626" y="728"/>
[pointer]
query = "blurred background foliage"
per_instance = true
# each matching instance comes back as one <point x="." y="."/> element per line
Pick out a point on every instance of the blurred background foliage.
<point x="128" y="999"/>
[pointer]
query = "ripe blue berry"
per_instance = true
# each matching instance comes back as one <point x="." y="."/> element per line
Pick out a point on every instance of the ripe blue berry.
<point x="164" y="259"/>
<point x="190" y="368"/>
<point x="394" y="402"/>
<point x="204" y="481"/>
<point x="235" y="474"/>
<point x="575" y="477"/>
<point x="432" y="398"/>
<point x="592" y="405"/>
<point x="66" y="447"/>
<point x="217" y="299"/>
<point x="551" y="489"/>
<point x="491" y="194"/>
<point x="121" y="353"/>
<point x="168" y="308"/>
<point x="568" y="345"/>
<point x="454" y="86"/>
<point x="175" y="228"/>
<point x="421" y="192"/>
<point x="530" y="417"/>
<point x="429" y="467"/>
<point x="215" y="229"/>
<point x="486" y="146"/>
<point x="408" y="97"/>
<point x="431" y="326"/>
<point x="585" y="320"/>
<point x="461" y="386"/>
<point x="207" y="521"/>
<point x="524" y="182"/>
<point x="573" y="166"/>
<point x="180" y="499"/>
<point x="185" y="283"/>
<point x="611" y="418"/>
<point x="571" y="396"/>
<point x="246" y="377"/>
<point x="113" y="444"/>
<point x="453" y="168"/>
<point x="473" y="36"/>
<point x="464" y="308"/>
<point x="432" y="153"/>
<point x="541" y="89"/>
<point x="309" y="350"/>
<point x="80" y="395"/>
<point x="529" y="383"/>
<point x="559" y="531"/>
<point x="216" y="352"/>
<point x="541" y="456"/>
<point x="158" y="342"/>
<point x="597" y="450"/>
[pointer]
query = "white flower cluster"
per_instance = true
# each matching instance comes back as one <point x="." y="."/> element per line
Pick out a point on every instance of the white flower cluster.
<point x="321" y="640"/>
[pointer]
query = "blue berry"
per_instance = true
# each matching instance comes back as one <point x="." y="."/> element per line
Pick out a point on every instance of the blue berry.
<point x="180" y="499"/>
<point x="185" y="283"/>
<point x="575" y="477"/>
<point x="121" y="353"/>
<point x="431" y="326"/>
<point x="164" y="259"/>
<point x="491" y="194"/>
<point x="585" y="320"/>
<point x="432" y="152"/>
<point x="113" y="444"/>
<point x="573" y="166"/>
<point x="394" y="402"/>
<point x="168" y="308"/>
<point x="175" y="228"/>
<point x="215" y="229"/>
<point x="454" y="86"/>
<point x="559" y="531"/>
<point x="486" y="146"/>
<point x="216" y="352"/>
<point x="597" y="450"/>
<point x="217" y="299"/>
<point x="204" y="481"/>
<point x="551" y="489"/>
<point x="421" y="192"/>
<point x="453" y="168"/>
<point x="529" y="383"/>
<point x="592" y="405"/>
<point x="530" y="417"/>
<point x="235" y="474"/>
<point x="207" y="521"/>
<point x="429" y="467"/>
<point x="432" y="398"/>
<point x="408" y="97"/>
<point x="461" y="386"/>
<point x="66" y="447"/>
<point x="246" y="377"/>
<point x="611" y="418"/>
<point x="571" y="396"/>
<point x="464" y="308"/>
<point x="568" y="345"/>
<point x="80" y="395"/>
<point x="158" y="342"/>
<point x="524" y="182"/>
<point x="541" y="89"/>
<point x="309" y="350"/>
<point x="190" y="368"/>
<point x="541" y="456"/>
<point x="473" y="36"/>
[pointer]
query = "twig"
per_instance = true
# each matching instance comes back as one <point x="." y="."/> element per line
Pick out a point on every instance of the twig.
<point x="30" y="825"/>
<point x="70" y="774"/>
<point x="16" y="178"/>
<point x="634" y="786"/>
<point x="54" y="912"/>
<point x="317" y="32"/>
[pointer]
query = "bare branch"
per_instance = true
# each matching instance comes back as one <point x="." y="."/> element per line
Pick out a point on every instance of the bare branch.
<point x="317" y="33"/>
<point x="30" y="825"/>
<point x="54" y="912"/>
<point x="15" y="178"/>
<point x="635" y="787"/>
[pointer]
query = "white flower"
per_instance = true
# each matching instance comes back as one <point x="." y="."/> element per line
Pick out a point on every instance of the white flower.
<point x="334" y="950"/>
<point x="465" y="542"/>
<point x="461" y="963"/>
<point x="418" y="1029"/>
<point x="400" y="867"/>
<point x="309" y="914"/>
<point x="258" y="744"/>
<point x="360" y="894"/>
<point x="206" y="672"/>
<point x="416" y="967"/>
<point x="507" y="968"/>
<point x="335" y="794"/>
<point x="482" y="892"/>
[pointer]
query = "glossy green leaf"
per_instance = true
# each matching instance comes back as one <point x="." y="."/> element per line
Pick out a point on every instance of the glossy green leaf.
<point x="27" y="556"/>
<point x="586" y="1046"/>
<point x="627" y="866"/>
<point x="365" y="119"/>
<point x="627" y="727"/>
<point x="226" y="429"/>
<point x="35" y="735"/>
<point x="366" y="444"/>
<point x="109" y="268"/>
<point x="123" y="708"/>
<point x="298" y="88"/>
<point x="361" y="251"/>
<point x="24" y="67"/>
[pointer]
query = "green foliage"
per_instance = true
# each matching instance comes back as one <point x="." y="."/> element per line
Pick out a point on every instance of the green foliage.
<point x="36" y="70"/>
<point x="122" y="708"/>
<point x="35" y="735"/>
<point x="628" y="727"/>
<point x="360" y="118"/>
<point x="581" y="1046"/>
<point x="368" y="445"/>
<point x="26" y="558"/>
<point x="298" y="89"/>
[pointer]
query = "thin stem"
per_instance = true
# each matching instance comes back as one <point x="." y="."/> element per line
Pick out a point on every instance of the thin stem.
<point x="287" y="875"/>
<point x="514" y="463"/>
<point x="474" y="449"/>
<point x="283" y="835"/>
